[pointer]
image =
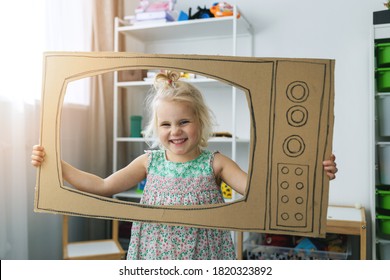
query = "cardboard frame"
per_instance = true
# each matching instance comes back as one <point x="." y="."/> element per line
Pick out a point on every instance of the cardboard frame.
<point x="291" y="109"/>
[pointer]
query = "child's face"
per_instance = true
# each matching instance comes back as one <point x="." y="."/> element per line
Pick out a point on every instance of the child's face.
<point x="178" y="130"/>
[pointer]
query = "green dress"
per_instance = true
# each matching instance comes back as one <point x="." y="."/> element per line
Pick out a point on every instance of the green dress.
<point x="171" y="183"/>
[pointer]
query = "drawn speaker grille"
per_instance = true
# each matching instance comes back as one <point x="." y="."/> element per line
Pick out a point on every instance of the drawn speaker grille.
<point x="292" y="195"/>
<point x="296" y="151"/>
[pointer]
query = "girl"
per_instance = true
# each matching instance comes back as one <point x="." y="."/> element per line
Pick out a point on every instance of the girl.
<point x="181" y="172"/>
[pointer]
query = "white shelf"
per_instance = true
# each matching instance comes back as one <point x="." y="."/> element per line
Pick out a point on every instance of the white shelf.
<point x="382" y="31"/>
<point x="212" y="140"/>
<point x="202" y="29"/>
<point x="132" y="193"/>
<point x="203" y="81"/>
<point x="199" y="28"/>
<point x="382" y="94"/>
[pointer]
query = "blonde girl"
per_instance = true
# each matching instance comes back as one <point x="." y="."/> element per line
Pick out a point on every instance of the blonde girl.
<point x="180" y="172"/>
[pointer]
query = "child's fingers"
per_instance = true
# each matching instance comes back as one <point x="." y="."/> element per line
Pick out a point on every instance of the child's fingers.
<point x="331" y="175"/>
<point x="330" y="167"/>
<point x="38" y="153"/>
<point x="37" y="148"/>
<point x="37" y="156"/>
<point x="36" y="160"/>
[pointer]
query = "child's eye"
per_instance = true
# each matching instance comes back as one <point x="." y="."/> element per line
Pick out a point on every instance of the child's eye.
<point x="183" y="122"/>
<point x="165" y="124"/>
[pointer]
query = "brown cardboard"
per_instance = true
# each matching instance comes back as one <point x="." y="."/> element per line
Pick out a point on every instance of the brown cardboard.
<point x="291" y="108"/>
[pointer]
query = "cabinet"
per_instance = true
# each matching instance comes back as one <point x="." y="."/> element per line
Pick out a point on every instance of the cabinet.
<point x="213" y="36"/>
<point x="380" y="98"/>
<point x="346" y="220"/>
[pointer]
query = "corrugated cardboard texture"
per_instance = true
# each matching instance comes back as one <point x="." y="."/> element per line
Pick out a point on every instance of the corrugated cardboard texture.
<point x="291" y="108"/>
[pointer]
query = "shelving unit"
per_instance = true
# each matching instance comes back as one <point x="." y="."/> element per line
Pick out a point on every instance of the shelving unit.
<point x="345" y="220"/>
<point x="380" y="242"/>
<point x="226" y="28"/>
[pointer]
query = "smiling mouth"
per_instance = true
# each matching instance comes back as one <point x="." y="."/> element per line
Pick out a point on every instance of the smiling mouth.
<point x="178" y="141"/>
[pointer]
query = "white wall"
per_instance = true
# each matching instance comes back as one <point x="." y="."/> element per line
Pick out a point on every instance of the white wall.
<point x="335" y="29"/>
<point x="332" y="29"/>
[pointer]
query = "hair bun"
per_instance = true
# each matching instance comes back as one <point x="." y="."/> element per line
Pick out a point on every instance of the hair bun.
<point x="167" y="78"/>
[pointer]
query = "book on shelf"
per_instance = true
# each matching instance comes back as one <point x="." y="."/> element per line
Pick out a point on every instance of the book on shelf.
<point x="149" y="22"/>
<point x="147" y="18"/>
<point x="150" y="15"/>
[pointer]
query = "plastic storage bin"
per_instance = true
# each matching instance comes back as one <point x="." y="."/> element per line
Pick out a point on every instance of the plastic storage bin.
<point x="383" y="107"/>
<point x="264" y="252"/>
<point x="384" y="251"/>
<point x="384" y="224"/>
<point x="270" y="252"/>
<point x="383" y="199"/>
<point x="384" y="163"/>
<point x="383" y="54"/>
<point x="135" y="126"/>
<point x="383" y="79"/>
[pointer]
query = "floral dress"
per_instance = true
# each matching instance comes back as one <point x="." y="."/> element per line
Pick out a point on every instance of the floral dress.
<point x="171" y="183"/>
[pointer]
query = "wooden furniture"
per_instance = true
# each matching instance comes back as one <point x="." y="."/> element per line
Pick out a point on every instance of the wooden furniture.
<point x="350" y="221"/>
<point x="341" y="220"/>
<point x="105" y="249"/>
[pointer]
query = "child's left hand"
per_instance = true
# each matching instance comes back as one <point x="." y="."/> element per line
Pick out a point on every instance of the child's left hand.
<point x="330" y="167"/>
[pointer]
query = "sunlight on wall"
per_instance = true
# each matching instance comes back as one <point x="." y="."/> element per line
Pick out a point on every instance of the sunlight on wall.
<point x="22" y="24"/>
<point x="31" y="28"/>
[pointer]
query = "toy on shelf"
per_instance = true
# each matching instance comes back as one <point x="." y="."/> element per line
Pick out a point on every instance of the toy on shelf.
<point x="202" y="13"/>
<point x="226" y="190"/>
<point x="141" y="186"/>
<point x="278" y="240"/>
<point x="222" y="9"/>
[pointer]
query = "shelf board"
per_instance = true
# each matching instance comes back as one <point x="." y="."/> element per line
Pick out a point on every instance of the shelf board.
<point x="211" y="140"/>
<point x="132" y="193"/>
<point x="382" y="31"/>
<point x="379" y="94"/>
<point x="383" y="143"/>
<point x="148" y="83"/>
<point x="180" y="29"/>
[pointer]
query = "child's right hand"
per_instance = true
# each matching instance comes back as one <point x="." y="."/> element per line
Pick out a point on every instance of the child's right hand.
<point x="38" y="155"/>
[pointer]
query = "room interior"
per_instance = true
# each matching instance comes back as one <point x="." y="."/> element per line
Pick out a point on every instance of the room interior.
<point x="343" y="31"/>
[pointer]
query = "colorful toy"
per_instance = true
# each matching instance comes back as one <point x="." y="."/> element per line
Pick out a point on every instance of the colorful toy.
<point x="226" y="190"/>
<point x="141" y="186"/>
<point x="277" y="240"/>
<point x="306" y="244"/>
<point x="222" y="9"/>
<point x="201" y="13"/>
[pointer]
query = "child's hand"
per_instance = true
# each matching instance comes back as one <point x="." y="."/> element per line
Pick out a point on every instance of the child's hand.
<point x="330" y="167"/>
<point x="38" y="155"/>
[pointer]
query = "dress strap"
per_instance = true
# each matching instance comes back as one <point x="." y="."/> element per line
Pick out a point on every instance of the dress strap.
<point x="149" y="153"/>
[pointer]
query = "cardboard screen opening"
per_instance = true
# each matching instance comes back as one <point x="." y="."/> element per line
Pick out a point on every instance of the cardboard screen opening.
<point x="133" y="103"/>
<point x="291" y="111"/>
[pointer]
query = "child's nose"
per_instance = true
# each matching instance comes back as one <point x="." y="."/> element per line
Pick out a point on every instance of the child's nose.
<point x="176" y="130"/>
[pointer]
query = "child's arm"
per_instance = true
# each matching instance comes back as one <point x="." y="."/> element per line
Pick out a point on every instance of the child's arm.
<point x="230" y="173"/>
<point x="118" y="182"/>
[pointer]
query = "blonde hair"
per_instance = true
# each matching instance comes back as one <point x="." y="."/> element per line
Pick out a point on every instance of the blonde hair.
<point x="168" y="87"/>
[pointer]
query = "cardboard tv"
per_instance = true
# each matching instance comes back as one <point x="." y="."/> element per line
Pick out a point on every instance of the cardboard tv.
<point x="291" y="110"/>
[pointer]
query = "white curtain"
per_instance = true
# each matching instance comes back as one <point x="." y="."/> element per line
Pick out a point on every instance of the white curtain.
<point x="28" y="28"/>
